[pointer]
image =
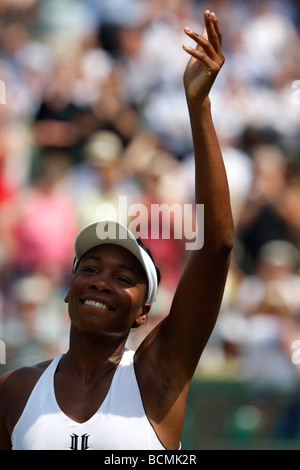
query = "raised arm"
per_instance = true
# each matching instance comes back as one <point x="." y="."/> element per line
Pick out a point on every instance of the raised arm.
<point x="198" y="297"/>
<point x="177" y="343"/>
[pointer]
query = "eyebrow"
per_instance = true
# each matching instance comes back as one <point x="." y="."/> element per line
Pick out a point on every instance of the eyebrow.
<point x="97" y="258"/>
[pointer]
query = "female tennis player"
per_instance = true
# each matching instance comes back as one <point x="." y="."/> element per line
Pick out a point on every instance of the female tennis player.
<point x="99" y="395"/>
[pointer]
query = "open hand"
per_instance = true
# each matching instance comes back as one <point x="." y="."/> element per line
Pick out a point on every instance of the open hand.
<point x="206" y="61"/>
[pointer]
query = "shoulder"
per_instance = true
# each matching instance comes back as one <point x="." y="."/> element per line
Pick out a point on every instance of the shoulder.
<point x="15" y="389"/>
<point x="12" y="379"/>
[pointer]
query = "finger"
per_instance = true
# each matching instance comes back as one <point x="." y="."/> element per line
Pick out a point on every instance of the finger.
<point x="217" y="27"/>
<point x="209" y="64"/>
<point x="213" y="36"/>
<point x="196" y="37"/>
<point x="203" y="44"/>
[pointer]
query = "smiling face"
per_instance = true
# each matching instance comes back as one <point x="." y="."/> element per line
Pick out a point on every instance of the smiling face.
<point x="107" y="293"/>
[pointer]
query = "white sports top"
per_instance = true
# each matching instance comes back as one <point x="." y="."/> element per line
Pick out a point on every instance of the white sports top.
<point x="119" y="424"/>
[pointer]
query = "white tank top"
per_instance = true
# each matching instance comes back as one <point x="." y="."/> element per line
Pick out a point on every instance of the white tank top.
<point x="119" y="424"/>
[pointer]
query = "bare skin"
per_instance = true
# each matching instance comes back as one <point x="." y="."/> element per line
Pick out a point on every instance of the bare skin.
<point x="166" y="360"/>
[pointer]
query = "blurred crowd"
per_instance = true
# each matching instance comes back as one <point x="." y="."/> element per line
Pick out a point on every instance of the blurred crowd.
<point x="95" y="109"/>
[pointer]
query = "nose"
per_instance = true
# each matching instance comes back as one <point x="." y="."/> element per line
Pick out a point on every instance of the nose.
<point x="101" y="284"/>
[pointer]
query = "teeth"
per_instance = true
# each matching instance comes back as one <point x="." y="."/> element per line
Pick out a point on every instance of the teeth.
<point x="96" y="304"/>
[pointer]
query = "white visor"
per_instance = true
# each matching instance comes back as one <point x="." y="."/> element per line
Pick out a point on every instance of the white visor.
<point x="114" y="233"/>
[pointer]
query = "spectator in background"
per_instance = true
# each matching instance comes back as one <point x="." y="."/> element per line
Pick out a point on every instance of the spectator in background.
<point x="40" y="213"/>
<point x="101" y="180"/>
<point x="260" y="219"/>
<point x="59" y="124"/>
<point x="35" y="323"/>
<point x="277" y="265"/>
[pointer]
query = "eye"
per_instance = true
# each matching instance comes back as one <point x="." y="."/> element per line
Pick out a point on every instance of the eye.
<point x="90" y="270"/>
<point x="124" y="280"/>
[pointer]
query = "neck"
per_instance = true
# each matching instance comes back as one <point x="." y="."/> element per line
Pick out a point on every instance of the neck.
<point x="89" y="356"/>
